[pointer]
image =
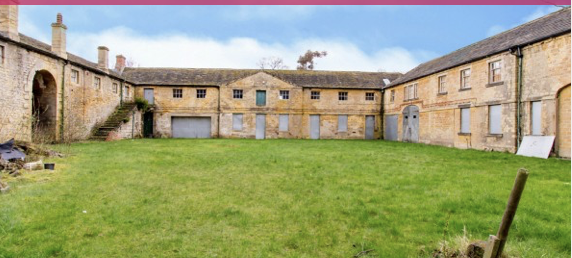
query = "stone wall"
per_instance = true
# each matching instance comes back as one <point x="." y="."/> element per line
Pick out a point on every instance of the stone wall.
<point x="546" y="69"/>
<point x="83" y="105"/>
<point x="129" y="130"/>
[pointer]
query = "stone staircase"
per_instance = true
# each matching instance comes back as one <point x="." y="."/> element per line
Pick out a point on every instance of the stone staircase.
<point x="114" y="121"/>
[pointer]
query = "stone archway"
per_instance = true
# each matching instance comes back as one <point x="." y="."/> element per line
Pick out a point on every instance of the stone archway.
<point x="44" y="107"/>
<point x="563" y="122"/>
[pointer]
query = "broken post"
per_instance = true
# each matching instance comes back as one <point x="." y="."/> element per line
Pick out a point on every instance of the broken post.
<point x="496" y="244"/>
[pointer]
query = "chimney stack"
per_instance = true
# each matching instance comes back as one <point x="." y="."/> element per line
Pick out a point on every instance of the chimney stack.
<point x="103" y="58"/>
<point x="59" y="37"/>
<point x="9" y="21"/>
<point x="119" y="63"/>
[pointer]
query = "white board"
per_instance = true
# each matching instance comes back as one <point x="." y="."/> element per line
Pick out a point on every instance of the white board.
<point x="536" y="146"/>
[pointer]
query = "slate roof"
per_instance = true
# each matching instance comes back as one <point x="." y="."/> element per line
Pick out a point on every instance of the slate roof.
<point x="219" y="77"/>
<point x="551" y="25"/>
<point x="39" y="45"/>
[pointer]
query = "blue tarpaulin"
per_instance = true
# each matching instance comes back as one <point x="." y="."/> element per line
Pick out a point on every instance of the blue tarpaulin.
<point x="8" y="152"/>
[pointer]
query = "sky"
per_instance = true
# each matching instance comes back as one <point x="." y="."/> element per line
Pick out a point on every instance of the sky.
<point x="357" y="38"/>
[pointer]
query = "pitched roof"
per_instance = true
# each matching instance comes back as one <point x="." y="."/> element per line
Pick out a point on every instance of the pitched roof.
<point x="219" y="77"/>
<point x="34" y="43"/>
<point x="554" y="24"/>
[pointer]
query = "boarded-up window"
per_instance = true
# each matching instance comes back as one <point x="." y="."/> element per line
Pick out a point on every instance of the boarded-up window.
<point x="342" y="123"/>
<point x="536" y="116"/>
<point x="465" y="120"/>
<point x="283" y="123"/>
<point x="261" y="98"/>
<point x="237" y="122"/>
<point x="495" y="119"/>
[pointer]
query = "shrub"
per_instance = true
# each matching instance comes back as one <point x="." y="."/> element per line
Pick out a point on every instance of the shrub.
<point x="142" y="104"/>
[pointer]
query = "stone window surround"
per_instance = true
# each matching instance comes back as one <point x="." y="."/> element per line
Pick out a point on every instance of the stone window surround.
<point x="461" y="107"/>
<point x="201" y="93"/>
<point x="442" y="84"/>
<point x="490" y="70"/>
<point x="315" y="95"/>
<point x="78" y="74"/>
<point x="114" y="87"/>
<point x="463" y="80"/>
<point x="237" y="93"/>
<point x="177" y="93"/>
<point x="370" y="96"/>
<point x="415" y="96"/>
<point x="284" y="95"/>
<point x="97" y="82"/>
<point x="392" y="96"/>
<point x="343" y="96"/>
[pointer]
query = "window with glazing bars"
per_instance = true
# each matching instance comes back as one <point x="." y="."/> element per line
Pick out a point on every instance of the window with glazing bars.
<point x="343" y="95"/>
<point x="443" y="84"/>
<point x="495" y="71"/>
<point x="314" y="95"/>
<point x="369" y="96"/>
<point x="201" y="93"/>
<point x="237" y="94"/>
<point x="465" y="79"/>
<point x="177" y="93"/>
<point x="284" y="94"/>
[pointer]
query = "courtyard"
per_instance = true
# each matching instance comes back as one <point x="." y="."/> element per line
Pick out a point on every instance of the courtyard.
<point x="280" y="198"/>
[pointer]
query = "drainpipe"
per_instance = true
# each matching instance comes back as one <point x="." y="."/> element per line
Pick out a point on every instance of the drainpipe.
<point x="219" y="114"/>
<point x="62" y="96"/>
<point x="381" y="111"/>
<point x="121" y="93"/>
<point x="518" y="54"/>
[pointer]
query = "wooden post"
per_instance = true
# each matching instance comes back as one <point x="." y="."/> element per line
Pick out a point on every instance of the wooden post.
<point x="510" y="210"/>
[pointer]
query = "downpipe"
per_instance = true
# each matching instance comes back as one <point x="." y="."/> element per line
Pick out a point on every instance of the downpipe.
<point x="519" y="55"/>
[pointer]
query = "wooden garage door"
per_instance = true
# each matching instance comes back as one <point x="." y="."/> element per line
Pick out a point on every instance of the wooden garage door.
<point x="191" y="127"/>
<point x="563" y="135"/>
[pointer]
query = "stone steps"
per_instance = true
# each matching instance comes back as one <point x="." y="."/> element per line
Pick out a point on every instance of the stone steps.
<point x="113" y="122"/>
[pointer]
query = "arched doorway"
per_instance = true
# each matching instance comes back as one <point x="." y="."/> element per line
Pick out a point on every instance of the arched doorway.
<point x="411" y="124"/>
<point x="44" y="107"/>
<point x="563" y="123"/>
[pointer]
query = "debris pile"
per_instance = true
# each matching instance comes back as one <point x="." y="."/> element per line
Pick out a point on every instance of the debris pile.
<point x="17" y="155"/>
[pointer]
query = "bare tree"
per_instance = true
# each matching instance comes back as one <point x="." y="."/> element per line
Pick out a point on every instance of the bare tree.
<point x="306" y="61"/>
<point x="130" y="62"/>
<point x="272" y="63"/>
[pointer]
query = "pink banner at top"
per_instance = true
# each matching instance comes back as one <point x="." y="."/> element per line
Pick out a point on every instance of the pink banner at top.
<point x="285" y="2"/>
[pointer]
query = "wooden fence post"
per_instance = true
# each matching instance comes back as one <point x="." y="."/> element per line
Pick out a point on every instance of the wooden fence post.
<point x="508" y="216"/>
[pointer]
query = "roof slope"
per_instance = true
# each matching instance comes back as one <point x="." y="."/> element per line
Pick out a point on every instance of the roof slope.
<point x="553" y="24"/>
<point x="218" y="77"/>
<point x="34" y="43"/>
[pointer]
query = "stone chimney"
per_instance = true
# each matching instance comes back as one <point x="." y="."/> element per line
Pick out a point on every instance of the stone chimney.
<point x="9" y="21"/>
<point x="103" y="58"/>
<point x="59" y="37"/>
<point x="119" y="63"/>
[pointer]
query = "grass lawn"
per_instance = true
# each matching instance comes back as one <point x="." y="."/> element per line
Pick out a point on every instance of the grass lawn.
<point x="279" y="198"/>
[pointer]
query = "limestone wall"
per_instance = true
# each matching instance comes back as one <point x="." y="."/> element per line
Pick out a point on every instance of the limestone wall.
<point x="546" y="69"/>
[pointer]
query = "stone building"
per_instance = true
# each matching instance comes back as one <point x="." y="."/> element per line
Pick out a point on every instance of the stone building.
<point x="231" y="103"/>
<point x="489" y="94"/>
<point x="485" y="96"/>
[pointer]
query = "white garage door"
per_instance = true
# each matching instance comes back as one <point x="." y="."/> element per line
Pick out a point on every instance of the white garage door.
<point x="191" y="127"/>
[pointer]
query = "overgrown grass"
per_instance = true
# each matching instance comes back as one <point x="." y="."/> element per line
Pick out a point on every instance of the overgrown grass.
<point x="279" y="198"/>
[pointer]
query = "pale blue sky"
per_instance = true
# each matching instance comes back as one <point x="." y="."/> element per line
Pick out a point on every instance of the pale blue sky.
<point x="391" y="38"/>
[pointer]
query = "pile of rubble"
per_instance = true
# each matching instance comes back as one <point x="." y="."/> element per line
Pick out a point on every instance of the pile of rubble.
<point x="16" y="156"/>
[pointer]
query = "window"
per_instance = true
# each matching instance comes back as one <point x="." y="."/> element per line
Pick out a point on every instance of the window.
<point x="237" y="122"/>
<point x="495" y="71"/>
<point x="126" y="91"/>
<point x="177" y="93"/>
<point x="342" y="123"/>
<point x="314" y="95"/>
<point x="495" y="119"/>
<point x="261" y="98"/>
<point x="237" y="94"/>
<point x="284" y="94"/>
<point x="535" y="117"/>
<point x="283" y="123"/>
<point x="343" y="95"/>
<point x="392" y="96"/>
<point x="465" y="120"/>
<point x="75" y="77"/>
<point x="201" y="93"/>
<point x="97" y="82"/>
<point x="114" y="87"/>
<point x="369" y="96"/>
<point x="442" y="84"/>
<point x="465" y="79"/>
<point x="2" y="54"/>
<point x="410" y="92"/>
